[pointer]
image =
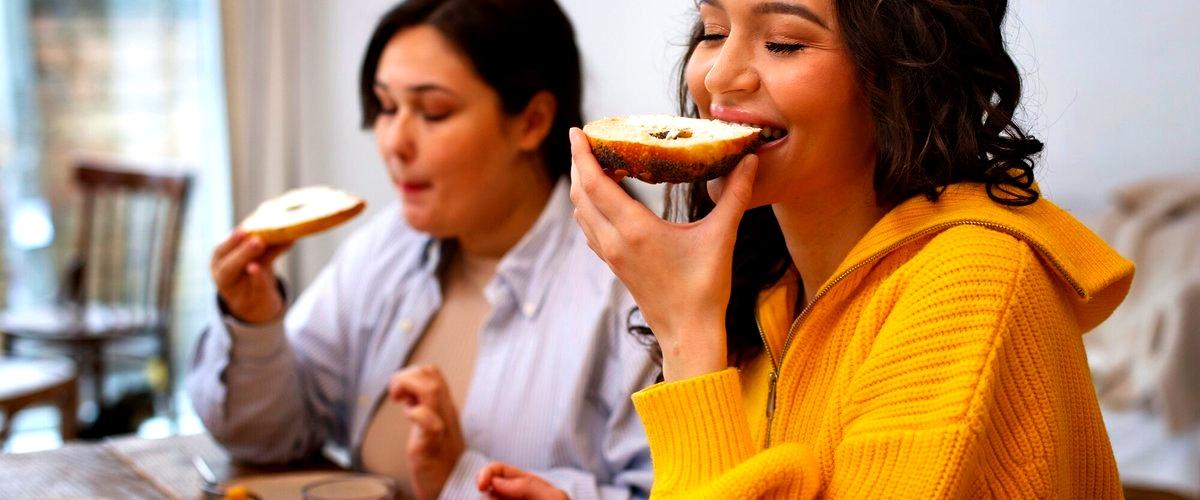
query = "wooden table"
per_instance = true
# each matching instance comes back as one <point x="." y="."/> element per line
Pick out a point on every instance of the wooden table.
<point x="122" y="468"/>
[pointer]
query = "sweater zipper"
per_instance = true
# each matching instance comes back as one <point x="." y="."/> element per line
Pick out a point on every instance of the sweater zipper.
<point x="773" y="379"/>
<point x="777" y="365"/>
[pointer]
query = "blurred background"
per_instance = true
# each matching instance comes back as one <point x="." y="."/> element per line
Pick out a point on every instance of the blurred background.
<point x="220" y="104"/>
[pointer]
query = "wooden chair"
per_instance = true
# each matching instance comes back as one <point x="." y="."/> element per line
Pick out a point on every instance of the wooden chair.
<point x="32" y="382"/>
<point x="119" y="284"/>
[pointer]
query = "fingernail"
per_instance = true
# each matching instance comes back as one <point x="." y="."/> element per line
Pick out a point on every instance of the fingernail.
<point x="574" y="135"/>
<point x="751" y="162"/>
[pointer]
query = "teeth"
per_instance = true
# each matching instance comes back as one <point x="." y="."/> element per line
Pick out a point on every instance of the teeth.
<point x="766" y="133"/>
<point x="771" y="134"/>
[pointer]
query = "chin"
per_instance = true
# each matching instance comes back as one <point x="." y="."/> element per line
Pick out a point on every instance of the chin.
<point x="420" y="220"/>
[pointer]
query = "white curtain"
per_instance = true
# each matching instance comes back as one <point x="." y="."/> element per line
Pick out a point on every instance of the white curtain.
<point x="291" y="71"/>
<point x="260" y="42"/>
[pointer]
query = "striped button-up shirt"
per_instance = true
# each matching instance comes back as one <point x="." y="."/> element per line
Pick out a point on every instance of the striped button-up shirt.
<point x="553" y="375"/>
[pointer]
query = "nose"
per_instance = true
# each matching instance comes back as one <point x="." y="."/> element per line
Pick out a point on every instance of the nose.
<point x="732" y="71"/>
<point x="395" y="135"/>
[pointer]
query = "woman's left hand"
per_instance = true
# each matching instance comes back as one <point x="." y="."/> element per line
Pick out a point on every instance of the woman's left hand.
<point x="502" y="481"/>
<point x="436" y="440"/>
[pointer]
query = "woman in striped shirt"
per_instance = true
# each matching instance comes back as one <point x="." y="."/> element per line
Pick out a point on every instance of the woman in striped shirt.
<point x="466" y="325"/>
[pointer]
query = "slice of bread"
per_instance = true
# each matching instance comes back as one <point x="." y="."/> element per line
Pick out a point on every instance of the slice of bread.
<point x="301" y="212"/>
<point x="663" y="148"/>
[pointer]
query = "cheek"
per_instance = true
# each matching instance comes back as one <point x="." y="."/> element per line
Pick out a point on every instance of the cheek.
<point x="462" y="165"/>
<point x="380" y="131"/>
<point x="820" y="98"/>
<point x="459" y="156"/>
<point x="848" y="126"/>
<point x="446" y="150"/>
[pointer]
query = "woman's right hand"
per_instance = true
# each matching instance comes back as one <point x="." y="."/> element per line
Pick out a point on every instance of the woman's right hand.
<point x="242" y="270"/>
<point x="679" y="274"/>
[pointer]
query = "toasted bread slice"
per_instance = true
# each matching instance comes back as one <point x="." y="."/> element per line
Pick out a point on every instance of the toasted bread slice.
<point x="663" y="148"/>
<point x="301" y="212"/>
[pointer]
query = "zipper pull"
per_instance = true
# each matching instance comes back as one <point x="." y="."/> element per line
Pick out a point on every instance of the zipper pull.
<point x="770" y="406"/>
<point x="771" y="396"/>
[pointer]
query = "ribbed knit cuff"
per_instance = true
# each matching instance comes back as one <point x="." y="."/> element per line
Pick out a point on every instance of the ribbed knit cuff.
<point x="255" y="342"/>
<point x="245" y="341"/>
<point x="697" y="428"/>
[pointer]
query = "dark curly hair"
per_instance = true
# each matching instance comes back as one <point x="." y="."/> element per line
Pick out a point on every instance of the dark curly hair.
<point x="942" y="92"/>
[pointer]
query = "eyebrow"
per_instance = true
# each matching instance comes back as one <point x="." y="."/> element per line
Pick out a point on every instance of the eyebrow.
<point x="777" y="8"/>
<point x="421" y="88"/>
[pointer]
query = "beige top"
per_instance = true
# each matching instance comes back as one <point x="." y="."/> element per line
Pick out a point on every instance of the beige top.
<point x="450" y="342"/>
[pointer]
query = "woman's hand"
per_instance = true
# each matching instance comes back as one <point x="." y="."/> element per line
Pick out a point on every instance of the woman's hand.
<point x="436" y="440"/>
<point x="502" y="481"/>
<point x="679" y="274"/>
<point x="241" y="267"/>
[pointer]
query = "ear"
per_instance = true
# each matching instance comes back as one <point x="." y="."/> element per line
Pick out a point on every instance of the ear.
<point x="533" y="124"/>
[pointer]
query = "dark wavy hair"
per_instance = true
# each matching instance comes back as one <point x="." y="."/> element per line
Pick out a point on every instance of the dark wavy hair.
<point x="942" y="92"/>
<point x="518" y="47"/>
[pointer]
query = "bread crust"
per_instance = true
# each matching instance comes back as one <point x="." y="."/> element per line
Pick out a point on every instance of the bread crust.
<point x="288" y="233"/>
<point x="655" y="163"/>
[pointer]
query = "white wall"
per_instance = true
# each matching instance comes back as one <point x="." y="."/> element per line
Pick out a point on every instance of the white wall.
<point x="333" y="149"/>
<point x="1113" y="89"/>
<point x="1111" y="86"/>
<point x="630" y="49"/>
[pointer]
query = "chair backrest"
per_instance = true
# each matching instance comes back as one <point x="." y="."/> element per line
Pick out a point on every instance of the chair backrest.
<point x="128" y="235"/>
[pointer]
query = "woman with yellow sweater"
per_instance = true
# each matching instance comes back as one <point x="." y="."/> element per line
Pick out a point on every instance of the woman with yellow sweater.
<point x="904" y="314"/>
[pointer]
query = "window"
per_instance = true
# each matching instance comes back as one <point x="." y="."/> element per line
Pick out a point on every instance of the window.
<point x="139" y="79"/>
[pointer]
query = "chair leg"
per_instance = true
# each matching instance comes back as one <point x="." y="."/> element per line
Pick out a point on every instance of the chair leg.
<point x="68" y="404"/>
<point x="10" y="411"/>
<point x="164" y="352"/>
<point x="6" y="427"/>
<point x="91" y="367"/>
<point x="98" y="369"/>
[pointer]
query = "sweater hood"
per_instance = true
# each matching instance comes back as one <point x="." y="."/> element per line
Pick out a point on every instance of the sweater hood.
<point x="1096" y="274"/>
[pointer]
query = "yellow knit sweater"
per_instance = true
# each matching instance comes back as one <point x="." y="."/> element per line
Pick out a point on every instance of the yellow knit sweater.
<point x="944" y="359"/>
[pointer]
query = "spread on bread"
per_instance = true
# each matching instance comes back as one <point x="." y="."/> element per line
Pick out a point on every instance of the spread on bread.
<point x="301" y="212"/>
<point x="663" y="148"/>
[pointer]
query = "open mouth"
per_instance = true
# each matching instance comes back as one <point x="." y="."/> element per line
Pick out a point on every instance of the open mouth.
<point x="772" y="134"/>
<point x="767" y="134"/>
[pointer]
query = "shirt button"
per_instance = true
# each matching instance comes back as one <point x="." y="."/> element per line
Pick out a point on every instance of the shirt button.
<point x="529" y="309"/>
<point x="406" y="325"/>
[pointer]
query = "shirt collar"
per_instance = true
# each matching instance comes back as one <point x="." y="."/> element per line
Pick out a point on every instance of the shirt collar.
<point x="527" y="270"/>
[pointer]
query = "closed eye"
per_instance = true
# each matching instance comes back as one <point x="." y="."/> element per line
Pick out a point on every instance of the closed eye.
<point x="784" y="48"/>
<point x="435" y="117"/>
